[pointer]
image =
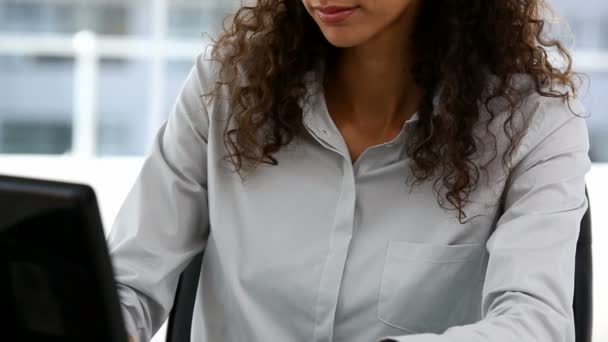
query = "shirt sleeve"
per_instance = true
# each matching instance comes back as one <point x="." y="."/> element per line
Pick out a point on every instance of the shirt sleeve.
<point x="529" y="283"/>
<point x="164" y="221"/>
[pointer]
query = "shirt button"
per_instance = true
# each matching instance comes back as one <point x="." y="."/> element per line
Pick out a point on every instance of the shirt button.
<point x="324" y="132"/>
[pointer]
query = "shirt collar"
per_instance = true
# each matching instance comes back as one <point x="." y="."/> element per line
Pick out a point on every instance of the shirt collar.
<point x="316" y="114"/>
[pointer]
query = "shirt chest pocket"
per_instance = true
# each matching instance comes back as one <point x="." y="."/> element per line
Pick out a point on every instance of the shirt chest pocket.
<point x="427" y="288"/>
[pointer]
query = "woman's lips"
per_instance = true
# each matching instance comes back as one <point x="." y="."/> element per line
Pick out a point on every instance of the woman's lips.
<point x="333" y="15"/>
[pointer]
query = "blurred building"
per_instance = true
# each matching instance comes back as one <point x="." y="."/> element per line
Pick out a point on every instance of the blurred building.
<point x="54" y="99"/>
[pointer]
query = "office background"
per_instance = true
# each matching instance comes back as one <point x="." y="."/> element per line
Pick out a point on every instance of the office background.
<point x="85" y="84"/>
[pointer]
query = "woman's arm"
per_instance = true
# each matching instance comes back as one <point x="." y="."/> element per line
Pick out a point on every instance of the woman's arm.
<point x="164" y="221"/>
<point x="529" y="283"/>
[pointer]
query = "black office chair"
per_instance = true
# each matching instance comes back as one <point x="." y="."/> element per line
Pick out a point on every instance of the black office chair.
<point x="180" y="319"/>
<point x="583" y="281"/>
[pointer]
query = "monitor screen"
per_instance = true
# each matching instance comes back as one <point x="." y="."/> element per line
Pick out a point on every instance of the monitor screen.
<point x="56" y="280"/>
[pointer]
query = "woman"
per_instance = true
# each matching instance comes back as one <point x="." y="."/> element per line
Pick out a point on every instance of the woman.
<point x="365" y="170"/>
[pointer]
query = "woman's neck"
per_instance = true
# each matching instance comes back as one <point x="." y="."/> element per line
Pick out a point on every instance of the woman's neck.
<point x="370" y="85"/>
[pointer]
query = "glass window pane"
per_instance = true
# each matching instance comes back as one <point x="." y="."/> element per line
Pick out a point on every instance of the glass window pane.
<point x="193" y="18"/>
<point x="589" y="24"/>
<point x="177" y="71"/>
<point x="123" y="107"/>
<point x="70" y="16"/>
<point x="36" y="104"/>
<point x="595" y="102"/>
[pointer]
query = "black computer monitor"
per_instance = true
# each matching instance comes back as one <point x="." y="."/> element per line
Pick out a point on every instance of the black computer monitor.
<point x="56" y="279"/>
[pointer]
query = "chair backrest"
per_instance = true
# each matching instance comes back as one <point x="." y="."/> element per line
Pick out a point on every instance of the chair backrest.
<point x="583" y="281"/>
<point x="180" y="319"/>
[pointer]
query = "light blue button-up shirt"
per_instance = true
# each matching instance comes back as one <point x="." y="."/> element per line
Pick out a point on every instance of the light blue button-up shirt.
<point x="319" y="249"/>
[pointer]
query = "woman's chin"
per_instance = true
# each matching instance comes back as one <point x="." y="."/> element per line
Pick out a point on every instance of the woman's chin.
<point x="344" y="41"/>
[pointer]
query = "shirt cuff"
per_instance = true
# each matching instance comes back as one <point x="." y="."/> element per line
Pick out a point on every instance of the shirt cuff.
<point x="129" y="325"/>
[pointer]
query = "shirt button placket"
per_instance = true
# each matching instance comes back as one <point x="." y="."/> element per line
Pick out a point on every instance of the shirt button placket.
<point x="331" y="278"/>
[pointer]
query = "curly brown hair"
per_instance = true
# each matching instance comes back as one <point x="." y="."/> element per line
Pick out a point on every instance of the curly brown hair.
<point x="457" y="46"/>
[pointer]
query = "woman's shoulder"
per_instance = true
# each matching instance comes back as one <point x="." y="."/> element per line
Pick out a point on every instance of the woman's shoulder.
<point x="539" y="122"/>
<point x="547" y="114"/>
<point x="199" y="102"/>
<point x="203" y="83"/>
<point x="536" y="112"/>
<point x="206" y="69"/>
